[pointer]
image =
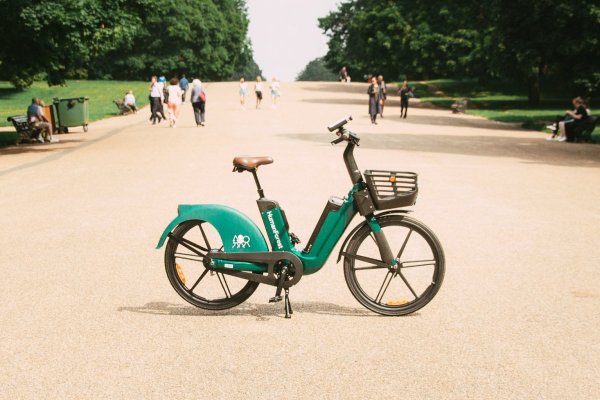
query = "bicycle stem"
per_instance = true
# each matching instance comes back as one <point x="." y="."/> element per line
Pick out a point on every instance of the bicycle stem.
<point x="350" y="162"/>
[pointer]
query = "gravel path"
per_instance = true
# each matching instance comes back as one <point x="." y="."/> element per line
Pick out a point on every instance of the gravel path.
<point x="88" y="312"/>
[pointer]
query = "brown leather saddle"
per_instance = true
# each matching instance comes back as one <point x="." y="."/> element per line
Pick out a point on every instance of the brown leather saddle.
<point x="248" y="163"/>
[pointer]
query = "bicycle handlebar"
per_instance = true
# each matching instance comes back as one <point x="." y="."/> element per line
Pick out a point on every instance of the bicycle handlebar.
<point x="344" y="135"/>
<point x="338" y="125"/>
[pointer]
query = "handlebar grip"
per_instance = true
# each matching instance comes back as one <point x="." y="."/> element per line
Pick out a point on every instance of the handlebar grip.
<point x="340" y="123"/>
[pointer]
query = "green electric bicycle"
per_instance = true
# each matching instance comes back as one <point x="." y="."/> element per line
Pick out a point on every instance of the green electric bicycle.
<point x="216" y="256"/>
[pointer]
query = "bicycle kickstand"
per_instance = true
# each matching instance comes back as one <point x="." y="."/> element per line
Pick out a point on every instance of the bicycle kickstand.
<point x="277" y="298"/>
<point x="288" y="305"/>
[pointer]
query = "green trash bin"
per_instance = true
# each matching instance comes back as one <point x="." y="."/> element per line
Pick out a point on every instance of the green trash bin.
<point x="72" y="112"/>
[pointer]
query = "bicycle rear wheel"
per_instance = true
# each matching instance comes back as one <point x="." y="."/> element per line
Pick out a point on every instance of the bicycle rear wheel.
<point x="395" y="291"/>
<point x="189" y="277"/>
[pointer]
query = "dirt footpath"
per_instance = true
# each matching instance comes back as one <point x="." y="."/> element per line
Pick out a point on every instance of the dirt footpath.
<point x="88" y="312"/>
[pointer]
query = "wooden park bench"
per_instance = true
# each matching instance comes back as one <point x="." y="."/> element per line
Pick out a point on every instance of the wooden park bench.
<point x="25" y="131"/>
<point x="583" y="132"/>
<point x="123" y="109"/>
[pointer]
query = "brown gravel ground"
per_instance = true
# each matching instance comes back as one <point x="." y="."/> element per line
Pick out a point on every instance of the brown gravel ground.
<point x="87" y="311"/>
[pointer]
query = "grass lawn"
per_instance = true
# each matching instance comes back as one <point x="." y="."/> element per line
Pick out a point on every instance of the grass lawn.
<point x="497" y="101"/>
<point x="100" y="93"/>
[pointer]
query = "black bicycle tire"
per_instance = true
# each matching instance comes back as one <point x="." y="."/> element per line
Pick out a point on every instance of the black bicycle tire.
<point x="220" y="304"/>
<point x="437" y="277"/>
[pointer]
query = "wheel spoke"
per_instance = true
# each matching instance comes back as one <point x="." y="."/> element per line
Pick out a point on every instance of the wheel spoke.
<point x="365" y="259"/>
<point x="191" y="246"/>
<point x="407" y="284"/>
<point x="419" y="263"/>
<point x="204" y="236"/>
<point x="370" y="267"/>
<point x="187" y="256"/>
<point x="404" y="244"/>
<point x="224" y="285"/>
<point x="198" y="281"/>
<point x="384" y="286"/>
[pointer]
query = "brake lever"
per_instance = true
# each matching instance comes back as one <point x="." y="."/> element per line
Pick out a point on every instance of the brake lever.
<point x="338" y="140"/>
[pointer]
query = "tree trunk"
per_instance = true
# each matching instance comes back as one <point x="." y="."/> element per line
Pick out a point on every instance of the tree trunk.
<point x="533" y="89"/>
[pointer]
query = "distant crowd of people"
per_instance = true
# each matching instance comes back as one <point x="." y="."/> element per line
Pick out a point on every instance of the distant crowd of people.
<point x="173" y="93"/>
<point x="274" y="87"/>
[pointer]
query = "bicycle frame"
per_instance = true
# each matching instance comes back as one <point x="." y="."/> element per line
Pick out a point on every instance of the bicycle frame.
<point x="245" y="249"/>
<point x="243" y="252"/>
<point x="336" y="217"/>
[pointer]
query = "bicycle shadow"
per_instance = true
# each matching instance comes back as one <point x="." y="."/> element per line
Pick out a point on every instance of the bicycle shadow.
<point x="262" y="312"/>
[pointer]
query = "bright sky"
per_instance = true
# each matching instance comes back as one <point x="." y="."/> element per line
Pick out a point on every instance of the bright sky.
<point x="285" y="34"/>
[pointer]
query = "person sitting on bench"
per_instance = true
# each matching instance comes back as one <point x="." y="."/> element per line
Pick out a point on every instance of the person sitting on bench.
<point x="129" y="101"/>
<point x="37" y="120"/>
<point x="575" y="118"/>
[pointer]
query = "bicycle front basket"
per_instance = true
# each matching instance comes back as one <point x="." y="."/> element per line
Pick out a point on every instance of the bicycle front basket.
<point x="392" y="189"/>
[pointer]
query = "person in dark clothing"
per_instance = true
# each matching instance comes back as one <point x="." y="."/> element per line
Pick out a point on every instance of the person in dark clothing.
<point x="567" y="128"/>
<point x="155" y="97"/>
<point x="373" y="92"/>
<point x="198" y="100"/>
<point x="344" y="75"/>
<point x="405" y="92"/>
<point x="184" y="84"/>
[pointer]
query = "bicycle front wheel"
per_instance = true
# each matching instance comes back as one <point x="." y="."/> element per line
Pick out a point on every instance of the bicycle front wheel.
<point x="408" y="286"/>
<point x="189" y="277"/>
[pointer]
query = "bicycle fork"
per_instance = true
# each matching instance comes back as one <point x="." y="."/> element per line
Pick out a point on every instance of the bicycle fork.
<point x="382" y="243"/>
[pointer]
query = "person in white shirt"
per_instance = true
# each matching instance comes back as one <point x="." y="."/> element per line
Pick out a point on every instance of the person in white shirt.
<point x="274" y="91"/>
<point x="258" y="91"/>
<point x="174" y="101"/>
<point x="129" y="101"/>
<point x="243" y="92"/>
<point x="156" y="95"/>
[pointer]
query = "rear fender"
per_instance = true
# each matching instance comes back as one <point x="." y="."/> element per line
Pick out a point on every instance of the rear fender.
<point x="238" y="232"/>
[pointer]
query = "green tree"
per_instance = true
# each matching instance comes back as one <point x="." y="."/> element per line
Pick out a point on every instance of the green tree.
<point x="519" y="40"/>
<point x="66" y="39"/>
<point x="400" y="38"/>
<point x="548" y="38"/>
<point x="58" y="38"/>
<point x="317" y="70"/>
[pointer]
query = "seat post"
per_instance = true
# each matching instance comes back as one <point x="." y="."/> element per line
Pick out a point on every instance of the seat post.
<point x="261" y="193"/>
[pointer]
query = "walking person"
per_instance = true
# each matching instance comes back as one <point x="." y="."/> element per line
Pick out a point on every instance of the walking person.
<point x="382" y="94"/>
<point x="258" y="91"/>
<point x="243" y="92"/>
<point x="373" y="92"/>
<point x="156" y="96"/>
<point x="405" y="92"/>
<point x="198" y="100"/>
<point x="344" y="75"/>
<point x="184" y="84"/>
<point x="174" y="101"/>
<point x="274" y="92"/>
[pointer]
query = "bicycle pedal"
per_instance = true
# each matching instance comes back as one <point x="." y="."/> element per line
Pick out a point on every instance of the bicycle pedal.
<point x="275" y="299"/>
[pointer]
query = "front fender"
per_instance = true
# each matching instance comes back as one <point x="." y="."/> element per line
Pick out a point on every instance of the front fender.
<point x="356" y="228"/>
<point x="229" y="222"/>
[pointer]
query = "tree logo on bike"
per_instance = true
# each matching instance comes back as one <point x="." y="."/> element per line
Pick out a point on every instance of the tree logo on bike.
<point x="241" y="241"/>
